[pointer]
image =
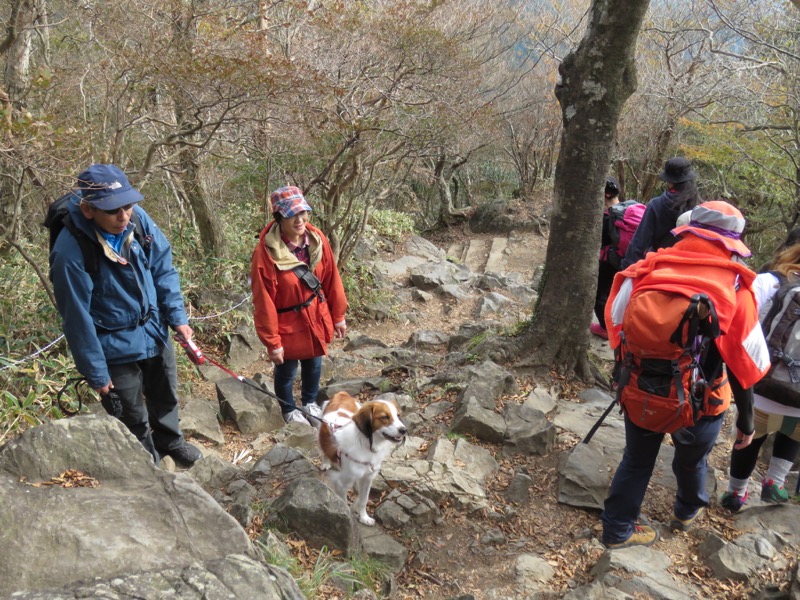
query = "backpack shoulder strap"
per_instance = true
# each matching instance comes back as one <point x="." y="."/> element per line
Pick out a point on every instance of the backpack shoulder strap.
<point x="89" y="250"/>
<point x="307" y="276"/>
<point x="785" y="287"/>
<point x="145" y="241"/>
<point x="310" y="280"/>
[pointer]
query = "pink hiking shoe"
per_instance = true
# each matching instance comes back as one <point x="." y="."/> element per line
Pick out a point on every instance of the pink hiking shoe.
<point x="598" y="330"/>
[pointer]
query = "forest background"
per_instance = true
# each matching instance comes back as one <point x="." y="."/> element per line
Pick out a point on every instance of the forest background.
<point x="391" y="115"/>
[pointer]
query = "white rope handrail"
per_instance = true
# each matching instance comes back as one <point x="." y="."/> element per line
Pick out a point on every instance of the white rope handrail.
<point x="14" y="363"/>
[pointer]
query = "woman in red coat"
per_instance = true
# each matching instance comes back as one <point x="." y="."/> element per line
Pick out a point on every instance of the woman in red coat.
<point x="298" y="298"/>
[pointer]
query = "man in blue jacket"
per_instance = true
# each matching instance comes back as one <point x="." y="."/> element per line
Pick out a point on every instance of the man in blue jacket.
<point x="116" y="318"/>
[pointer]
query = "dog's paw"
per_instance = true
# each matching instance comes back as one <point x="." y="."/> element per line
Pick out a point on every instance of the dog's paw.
<point x="366" y="520"/>
<point x="325" y="467"/>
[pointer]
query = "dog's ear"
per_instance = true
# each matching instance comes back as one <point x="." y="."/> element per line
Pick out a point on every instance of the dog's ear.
<point x="363" y="420"/>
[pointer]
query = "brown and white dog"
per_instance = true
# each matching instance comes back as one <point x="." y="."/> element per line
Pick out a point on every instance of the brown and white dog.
<point x="354" y="440"/>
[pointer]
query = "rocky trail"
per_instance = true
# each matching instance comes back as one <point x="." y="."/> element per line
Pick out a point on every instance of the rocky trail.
<point x="491" y="497"/>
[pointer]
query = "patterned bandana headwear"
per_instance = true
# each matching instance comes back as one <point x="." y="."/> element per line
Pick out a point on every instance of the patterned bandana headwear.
<point x="288" y="201"/>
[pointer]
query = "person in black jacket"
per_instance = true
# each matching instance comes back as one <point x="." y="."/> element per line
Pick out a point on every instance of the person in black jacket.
<point x="662" y="212"/>
<point x="605" y="271"/>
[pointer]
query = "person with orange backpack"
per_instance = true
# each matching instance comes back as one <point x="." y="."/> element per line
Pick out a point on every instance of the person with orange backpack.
<point x="684" y="326"/>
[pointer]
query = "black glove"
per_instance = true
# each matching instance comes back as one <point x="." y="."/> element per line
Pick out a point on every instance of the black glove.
<point x="112" y="403"/>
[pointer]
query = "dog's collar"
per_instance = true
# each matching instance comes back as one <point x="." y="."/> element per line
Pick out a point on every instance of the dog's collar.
<point x="366" y="463"/>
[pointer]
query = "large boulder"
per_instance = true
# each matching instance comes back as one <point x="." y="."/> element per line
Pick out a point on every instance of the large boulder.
<point x="81" y="499"/>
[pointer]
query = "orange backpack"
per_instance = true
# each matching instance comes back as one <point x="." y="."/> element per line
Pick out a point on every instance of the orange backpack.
<point x="659" y="377"/>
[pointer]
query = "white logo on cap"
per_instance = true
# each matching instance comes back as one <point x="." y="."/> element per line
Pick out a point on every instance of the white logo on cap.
<point x="115" y="186"/>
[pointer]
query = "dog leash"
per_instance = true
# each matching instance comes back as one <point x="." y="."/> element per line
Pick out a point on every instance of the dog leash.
<point x="197" y="357"/>
<point x="64" y="399"/>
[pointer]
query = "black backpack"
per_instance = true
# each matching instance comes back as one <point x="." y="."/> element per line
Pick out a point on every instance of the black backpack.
<point x="58" y="218"/>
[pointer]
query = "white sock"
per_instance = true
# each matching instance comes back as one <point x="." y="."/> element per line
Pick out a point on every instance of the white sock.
<point x="738" y="486"/>
<point x="778" y="470"/>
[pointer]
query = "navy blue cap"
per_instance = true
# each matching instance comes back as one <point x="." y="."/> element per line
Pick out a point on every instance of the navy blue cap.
<point x="107" y="187"/>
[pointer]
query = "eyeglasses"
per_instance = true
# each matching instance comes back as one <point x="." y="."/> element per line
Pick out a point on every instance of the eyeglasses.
<point x="126" y="208"/>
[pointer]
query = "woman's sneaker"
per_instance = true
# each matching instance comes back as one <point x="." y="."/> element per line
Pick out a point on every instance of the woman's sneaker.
<point x="315" y="413"/>
<point x="771" y="492"/>
<point x="733" y="501"/>
<point x="294" y="416"/>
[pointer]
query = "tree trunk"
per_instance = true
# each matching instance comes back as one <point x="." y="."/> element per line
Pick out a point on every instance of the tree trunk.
<point x="596" y="80"/>
<point x="17" y="47"/>
<point x="212" y="240"/>
<point x="654" y="165"/>
<point x="443" y="172"/>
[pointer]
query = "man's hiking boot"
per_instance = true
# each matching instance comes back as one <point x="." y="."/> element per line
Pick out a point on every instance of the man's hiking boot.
<point x="733" y="501"/>
<point x="185" y="454"/>
<point x="678" y="524"/>
<point x="643" y="535"/>
<point x="598" y="330"/>
<point x="771" y="492"/>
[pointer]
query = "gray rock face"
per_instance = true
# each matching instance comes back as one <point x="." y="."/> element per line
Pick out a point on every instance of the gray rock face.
<point x="430" y="276"/>
<point x="741" y="558"/>
<point x="527" y="431"/>
<point x="251" y="410"/>
<point x="583" y="477"/>
<point x="492" y="303"/>
<point x="235" y="576"/>
<point x="200" y="419"/>
<point x="419" y="246"/>
<point x="427" y="340"/>
<point x="469" y="332"/>
<point x="316" y="513"/>
<point x="136" y="517"/>
<point x="475" y="415"/>
<point x="244" y="347"/>
<point x="642" y="572"/>
<point x="284" y="462"/>
<point x="382" y="547"/>
<point x="519" y="490"/>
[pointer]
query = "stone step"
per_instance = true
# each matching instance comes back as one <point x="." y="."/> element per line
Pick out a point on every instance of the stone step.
<point x="475" y="257"/>
<point x="456" y="252"/>
<point x="497" y="262"/>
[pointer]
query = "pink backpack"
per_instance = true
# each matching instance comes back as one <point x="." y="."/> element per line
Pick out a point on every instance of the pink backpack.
<point x="624" y="219"/>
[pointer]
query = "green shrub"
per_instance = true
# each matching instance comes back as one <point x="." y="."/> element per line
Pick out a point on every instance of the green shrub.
<point x="391" y="224"/>
<point x="361" y="289"/>
<point x="354" y="574"/>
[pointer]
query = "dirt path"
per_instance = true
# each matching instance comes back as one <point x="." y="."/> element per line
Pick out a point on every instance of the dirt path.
<point x="476" y="553"/>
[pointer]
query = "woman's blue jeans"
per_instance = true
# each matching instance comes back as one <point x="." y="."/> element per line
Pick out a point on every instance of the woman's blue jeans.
<point x="310" y="372"/>
<point x="624" y="502"/>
